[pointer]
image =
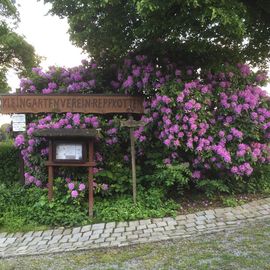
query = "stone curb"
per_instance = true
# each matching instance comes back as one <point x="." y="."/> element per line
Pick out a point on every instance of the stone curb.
<point x="107" y="235"/>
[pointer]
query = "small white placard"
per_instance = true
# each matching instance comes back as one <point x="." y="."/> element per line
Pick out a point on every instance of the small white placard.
<point x="18" y="126"/>
<point x="18" y="122"/>
<point x="69" y="151"/>
<point x="18" y="118"/>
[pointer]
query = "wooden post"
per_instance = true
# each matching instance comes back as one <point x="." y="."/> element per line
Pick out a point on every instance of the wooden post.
<point x="131" y="124"/>
<point x="133" y="164"/>
<point x="50" y="174"/>
<point x="90" y="178"/>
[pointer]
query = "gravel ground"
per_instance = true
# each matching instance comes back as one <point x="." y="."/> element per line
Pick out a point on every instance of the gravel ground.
<point x="245" y="248"/>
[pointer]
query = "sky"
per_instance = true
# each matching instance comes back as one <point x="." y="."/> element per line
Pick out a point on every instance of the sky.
<point x="48" y="34"/>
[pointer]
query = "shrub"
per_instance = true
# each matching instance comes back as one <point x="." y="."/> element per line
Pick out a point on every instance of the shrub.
<point x="217" y="121"/>
<point x="9" y="160"/>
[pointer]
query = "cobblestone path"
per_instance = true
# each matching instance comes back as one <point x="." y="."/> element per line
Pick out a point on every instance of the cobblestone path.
<point x="129" y="233"/>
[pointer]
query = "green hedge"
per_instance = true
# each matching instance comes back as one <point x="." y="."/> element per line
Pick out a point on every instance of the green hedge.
<point x="9" y="163"/>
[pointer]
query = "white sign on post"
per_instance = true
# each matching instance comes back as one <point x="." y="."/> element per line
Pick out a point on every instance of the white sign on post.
<point x="18" y="122"/>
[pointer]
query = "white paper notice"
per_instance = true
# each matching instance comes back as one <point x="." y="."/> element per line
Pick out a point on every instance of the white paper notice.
<point x="69" y="151"/>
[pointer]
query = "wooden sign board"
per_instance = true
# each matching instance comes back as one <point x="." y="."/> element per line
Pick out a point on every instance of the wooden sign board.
<point x="80" y="103"/>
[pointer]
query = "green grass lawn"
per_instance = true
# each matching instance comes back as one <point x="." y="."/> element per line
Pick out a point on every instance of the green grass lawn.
<point x="245" y="248"/>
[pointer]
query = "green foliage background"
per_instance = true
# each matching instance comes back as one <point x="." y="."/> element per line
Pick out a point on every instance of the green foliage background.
<point x="15" y="51"/>
<point x="9" y="160"/>
<point x="201" y="33"/>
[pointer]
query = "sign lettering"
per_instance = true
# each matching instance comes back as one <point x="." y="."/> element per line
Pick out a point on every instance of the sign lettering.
<point x="71" y="103"/>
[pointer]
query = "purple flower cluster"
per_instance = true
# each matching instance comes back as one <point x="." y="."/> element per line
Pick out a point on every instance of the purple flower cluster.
<point x="61" y="80"/>
<point x="75" y="188"/>
<point x="213" y="122"/>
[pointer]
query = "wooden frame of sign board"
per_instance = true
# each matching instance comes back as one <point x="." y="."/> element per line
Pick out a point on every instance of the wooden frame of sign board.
<point x="83" y="137"/>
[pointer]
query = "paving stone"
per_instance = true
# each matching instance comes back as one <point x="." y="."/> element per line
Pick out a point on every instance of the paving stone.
<point x="147" y="231"/>
<point x="190" y="216"/>
<point x="210" y="216"/>
<point x="131" y="228"/>
<point x="188" y="225"/>
<point x="105" y="235"/>
<point x="200" y="222"/>
<point x="133" y="223"/>
<point x="221" y="223"/>
<point x="182" y="217"/>
<point x="47" y="233"/>
<point x="3" y="235"/>
<point x="180" y="227"/>
<point x="76" y="230"/>
<point x="122" y="224"/>
<point x="86" y="228"/>
<point x="172" y="222"/>
<point x="99" y="240"/>
<point x="109" y="230"/>
<point x="55" y="239"/>
<point x="210" y="225"/>
<point x="209" y="212"/>
<point x="169" y="228"/>
<point x="210" y="221"/>
<point x="145" y="222"/>
<point x="99" y="226"/>
<point x="57" y="232"/>
<point x="110" y="239"/>
<point x="168" y="219"/>
<point x="182" y="222"/>
<point x="191" y="229"/>
<point x="151" y="226"/>
<point x="156" y="220"/>
<point x="87" y="234"/>
<point x="138" y="232"/>
<point x="161" y="224"/>
<point x="119" y="230"/>
<point x="201" y="218"/>
<point x="121" y="238"/>
<point x="97" y="232"/>
<point x="110" y="225"/>
<point x="131" y="237"/>
<point x="264" y="212"/>
<point x="76" y="235"/>
<point x="201" y="213"/>
<point x="67" y="232"/>
<point x="105" y="244"/>
<point x="64" y="239"/>
<point x="158" y="229"/>
<point x="200" y="227"/>
<point x="37" y="234"/>
<point x="141" y="227"/>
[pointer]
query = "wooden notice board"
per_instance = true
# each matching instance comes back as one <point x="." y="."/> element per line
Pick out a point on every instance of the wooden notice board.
<point x="80" y="103"/>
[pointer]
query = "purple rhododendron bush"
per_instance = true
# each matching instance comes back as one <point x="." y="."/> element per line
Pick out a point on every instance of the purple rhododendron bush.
<point x="204" y="129"/>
